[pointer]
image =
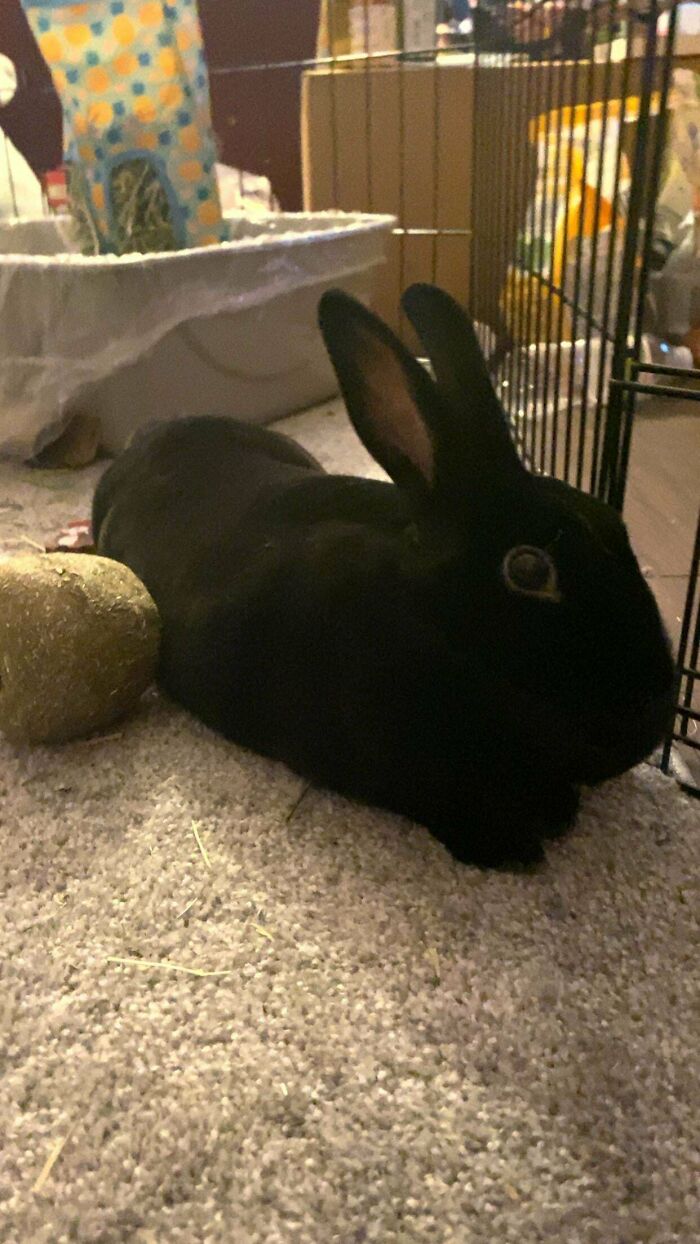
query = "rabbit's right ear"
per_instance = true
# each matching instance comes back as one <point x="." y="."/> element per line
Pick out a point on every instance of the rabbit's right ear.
<point x="393" y="403"/>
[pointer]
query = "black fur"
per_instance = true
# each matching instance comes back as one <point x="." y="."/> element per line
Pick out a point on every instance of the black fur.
<point x="363" y="632"/>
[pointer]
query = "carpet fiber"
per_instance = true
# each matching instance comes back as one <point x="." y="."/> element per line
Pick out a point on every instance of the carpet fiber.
<point x="229" y="1015"/>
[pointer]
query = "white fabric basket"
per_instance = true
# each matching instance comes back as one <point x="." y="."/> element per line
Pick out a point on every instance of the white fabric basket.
<point x="229" y="329"/>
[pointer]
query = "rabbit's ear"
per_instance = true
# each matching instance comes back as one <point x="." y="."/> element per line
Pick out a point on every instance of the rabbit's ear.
<point x="452" y="345"/>
<point x="394" y="405"/>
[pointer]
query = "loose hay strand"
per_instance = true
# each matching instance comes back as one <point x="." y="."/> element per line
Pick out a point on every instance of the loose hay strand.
<point x="200" y="844"/>
<point x="54" y="1154"/>
<point x="298" y="802"/>
<point x="185" y="910"/>
<point x="99" y="738"/>
<point x="166" y="965"/>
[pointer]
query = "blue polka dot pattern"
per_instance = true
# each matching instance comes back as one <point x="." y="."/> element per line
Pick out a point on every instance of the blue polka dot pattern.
<point x="133" y="82"/>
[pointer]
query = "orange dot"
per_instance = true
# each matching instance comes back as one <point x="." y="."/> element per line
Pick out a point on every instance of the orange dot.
<point x="151" y="14"/>
<point x="168" y="62"/>
<point x="191" y="170"/>
<point x="126" y="64"/>
<point x="86" y="152"/>
<point x="123" y="30"/>
<point x="209" y="239"/>
<point x="80" y="124"/>
<point x="78" y="35"/>
<point x="60" y="80"/>
<point x="100" y="113"/>
<point x="183" y="39"/>
<point x="190" y="138"/>
<point x="144" y="108"/>
<point x="148" y="141"/>
<point x="78" y="10"/>
<point x="98" y="196"/>
<point x="209" y="214"/>
<point x="170" y="94"/>
<point x="51" y="47"/>
<point x="97" y="79"/>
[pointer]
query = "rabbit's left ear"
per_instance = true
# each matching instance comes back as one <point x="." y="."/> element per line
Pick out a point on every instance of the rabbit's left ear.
<point x="453" y="348"/>
<point x="393" y="403"/>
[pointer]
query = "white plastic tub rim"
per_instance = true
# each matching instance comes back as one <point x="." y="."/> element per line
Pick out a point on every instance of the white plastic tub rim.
<point x="69" y="320"/>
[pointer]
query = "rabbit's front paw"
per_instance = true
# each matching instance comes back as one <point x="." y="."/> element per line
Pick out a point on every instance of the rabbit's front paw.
<point x="557" y="810"/>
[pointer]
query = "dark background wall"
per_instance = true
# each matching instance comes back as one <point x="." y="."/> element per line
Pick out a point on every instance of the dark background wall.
<point x="256" y="115"/>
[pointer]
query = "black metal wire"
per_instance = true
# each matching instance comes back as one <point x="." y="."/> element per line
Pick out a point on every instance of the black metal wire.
<point x="607" y="336"/>
<point x="619" y="409"/>
<point x="549" y="436"/>
<point x="592" y="269"/>
<point x="655" y="164"/>
<point x="541" y="225"/>
<point x="687" y="670"/>
<point x="533" y="105"/>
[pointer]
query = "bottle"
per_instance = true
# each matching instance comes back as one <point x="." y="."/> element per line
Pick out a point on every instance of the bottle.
<point x="418" y="21"/>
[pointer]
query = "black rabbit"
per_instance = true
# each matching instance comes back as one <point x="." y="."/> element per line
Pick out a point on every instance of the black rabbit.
<point x="463" y="646"/>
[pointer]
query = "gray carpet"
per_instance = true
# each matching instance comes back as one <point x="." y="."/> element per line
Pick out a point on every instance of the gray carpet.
<point x="229" y="1016"/>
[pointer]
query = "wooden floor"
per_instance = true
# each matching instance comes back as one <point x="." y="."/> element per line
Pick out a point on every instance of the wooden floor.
<point x="663" y="497"/>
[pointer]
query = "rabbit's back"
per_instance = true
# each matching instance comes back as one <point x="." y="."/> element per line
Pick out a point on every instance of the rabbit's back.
<point x="172" y="505"/>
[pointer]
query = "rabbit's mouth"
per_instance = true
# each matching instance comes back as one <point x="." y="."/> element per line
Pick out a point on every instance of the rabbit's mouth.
<point x="588" y="747"/>
<point x="618" y="742"/>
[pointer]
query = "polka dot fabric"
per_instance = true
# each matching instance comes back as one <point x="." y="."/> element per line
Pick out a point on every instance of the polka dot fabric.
<point x="133" y="82"/>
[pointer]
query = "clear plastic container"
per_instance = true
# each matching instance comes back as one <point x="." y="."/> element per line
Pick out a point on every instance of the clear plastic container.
<point x="548" y="376"/>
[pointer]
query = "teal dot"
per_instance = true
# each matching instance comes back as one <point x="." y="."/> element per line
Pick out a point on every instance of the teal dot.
<point x="203" y="194"/>
<point x="97" y="28"/>
<point x="116" y="7"/>
<point x="44" y="24"/>
<point x="115" y="134"/>
<point x="138" y="88"/>
<point x="92" y="58"/>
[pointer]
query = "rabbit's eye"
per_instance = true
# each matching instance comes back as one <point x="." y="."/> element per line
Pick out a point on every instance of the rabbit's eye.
<point x="531" y="572"/>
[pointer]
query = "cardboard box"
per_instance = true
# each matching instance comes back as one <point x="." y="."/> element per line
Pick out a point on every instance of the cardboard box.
<point x="444" y="147"/>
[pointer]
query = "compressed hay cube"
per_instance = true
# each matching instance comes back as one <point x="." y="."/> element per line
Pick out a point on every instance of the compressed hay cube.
<point x="79" y="640"/>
